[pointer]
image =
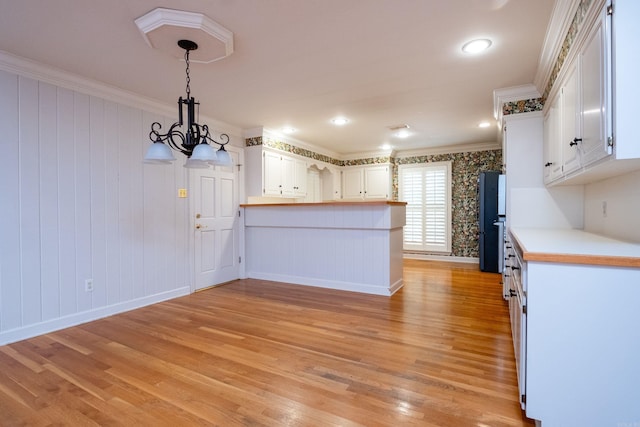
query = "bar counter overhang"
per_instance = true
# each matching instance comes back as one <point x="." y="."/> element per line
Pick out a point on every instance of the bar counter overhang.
<point x="352" y="246"/>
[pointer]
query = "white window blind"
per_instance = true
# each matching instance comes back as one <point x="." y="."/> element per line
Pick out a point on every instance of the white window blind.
<point x="427" y="190"/>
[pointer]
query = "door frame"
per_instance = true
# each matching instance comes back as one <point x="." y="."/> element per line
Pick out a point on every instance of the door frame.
<point x="192" y="216"/>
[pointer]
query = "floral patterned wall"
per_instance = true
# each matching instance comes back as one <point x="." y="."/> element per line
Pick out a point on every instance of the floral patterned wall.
<point x="466" y="168"/>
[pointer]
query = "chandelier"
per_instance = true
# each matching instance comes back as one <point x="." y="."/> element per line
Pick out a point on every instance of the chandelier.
<point x="194" y="141"/>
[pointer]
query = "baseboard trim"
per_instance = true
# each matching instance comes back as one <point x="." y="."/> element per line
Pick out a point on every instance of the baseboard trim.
<point x="329" y="284"/>
<point x="75" y="319"/>
<point x="445" y="258"/>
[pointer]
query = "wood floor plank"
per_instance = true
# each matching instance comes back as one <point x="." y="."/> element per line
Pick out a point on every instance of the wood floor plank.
<point x="259" y="353"/>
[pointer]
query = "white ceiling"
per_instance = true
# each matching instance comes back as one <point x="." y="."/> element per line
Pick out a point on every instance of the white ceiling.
<point x="301" y="63"/>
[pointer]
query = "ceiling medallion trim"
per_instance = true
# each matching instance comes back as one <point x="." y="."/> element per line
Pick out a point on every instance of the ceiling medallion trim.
<point x="160" y="17"/>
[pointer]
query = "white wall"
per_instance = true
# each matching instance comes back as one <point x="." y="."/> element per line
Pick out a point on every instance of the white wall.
<point x="622" y="197"/>
<point x="76" y="202"/>
<point x="529" y="202"/>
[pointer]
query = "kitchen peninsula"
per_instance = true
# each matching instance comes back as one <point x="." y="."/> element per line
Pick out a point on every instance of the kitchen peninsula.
<point x="353" y="246"/>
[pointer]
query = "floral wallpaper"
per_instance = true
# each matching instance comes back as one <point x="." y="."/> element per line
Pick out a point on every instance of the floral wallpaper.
<point x="576" y="23"/>
<point x="522" y="106"/>
<point x="465" y="170"/>
<point x="288" y="148"/>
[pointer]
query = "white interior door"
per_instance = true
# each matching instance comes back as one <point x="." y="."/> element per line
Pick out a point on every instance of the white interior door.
<point x="216" y="225"/>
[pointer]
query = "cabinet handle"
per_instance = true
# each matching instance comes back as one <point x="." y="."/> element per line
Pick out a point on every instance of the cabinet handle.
<point x="575" y="142"/>
<point x="515" y="268"/>
<point x="546" y="165"/>
<point x="512" y="293"/>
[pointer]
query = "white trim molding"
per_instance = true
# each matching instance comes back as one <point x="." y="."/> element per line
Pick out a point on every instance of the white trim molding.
<point x="30" y="331"/>
<point x="64" y="79"/>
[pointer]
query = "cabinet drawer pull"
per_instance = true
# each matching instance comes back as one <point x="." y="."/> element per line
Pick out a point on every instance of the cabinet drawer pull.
<point x="575" y="142"/>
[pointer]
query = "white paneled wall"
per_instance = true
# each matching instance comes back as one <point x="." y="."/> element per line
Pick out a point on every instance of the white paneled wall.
<point x="77" y="203"/>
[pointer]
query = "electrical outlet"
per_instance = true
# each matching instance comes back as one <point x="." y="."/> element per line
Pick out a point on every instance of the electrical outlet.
<point x="88" y="285"/>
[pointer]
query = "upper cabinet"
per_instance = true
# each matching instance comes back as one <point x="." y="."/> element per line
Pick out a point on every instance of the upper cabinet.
<point x="274" y="174"/>
<point x="585" y="121"/>
<point x="366" y="182"/>
<point x="284" y="176"/>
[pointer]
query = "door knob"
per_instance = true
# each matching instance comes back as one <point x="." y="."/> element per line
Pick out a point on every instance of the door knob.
<point x="199" y="226"/>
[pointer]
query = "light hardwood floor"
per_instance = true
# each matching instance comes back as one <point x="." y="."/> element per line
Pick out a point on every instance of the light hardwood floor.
<point x="250" y="353"/>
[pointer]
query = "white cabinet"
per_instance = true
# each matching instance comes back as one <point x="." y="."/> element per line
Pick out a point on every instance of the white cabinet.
<point x="570" y="128"/>
<point x="353" y="183"/>
<point x="552" y="154"/>
<point x="299" y="178"/>
<point x="596" y="105"/>
<point x="283" y="176"/>
<point x="595" y="91"/>
<point x="366" y="182"/>
<point x="271" y="174"/>
<point x="580" y="333"/>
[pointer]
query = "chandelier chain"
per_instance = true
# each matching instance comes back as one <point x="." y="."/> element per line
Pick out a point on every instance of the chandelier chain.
<point x="186" y="59"/>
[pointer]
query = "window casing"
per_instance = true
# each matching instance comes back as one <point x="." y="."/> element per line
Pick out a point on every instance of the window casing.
<point x="426" y="188"/>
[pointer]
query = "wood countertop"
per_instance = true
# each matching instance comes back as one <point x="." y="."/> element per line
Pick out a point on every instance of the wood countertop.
<point x="332" y="203"/>
<point x="575" y="247"/>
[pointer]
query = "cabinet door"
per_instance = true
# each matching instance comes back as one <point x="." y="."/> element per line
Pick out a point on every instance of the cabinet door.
<point x="352" y="183"/>
<point x="594" y="95"/>
<point x="336" y="186"/>
<point x="376" y="182"/>
<point x="300" y="178"/>
<point x="287" y="165"/>
<point x="570" y="142"/>
<point x="552" y="154"/>
<point x="272" y="174"/>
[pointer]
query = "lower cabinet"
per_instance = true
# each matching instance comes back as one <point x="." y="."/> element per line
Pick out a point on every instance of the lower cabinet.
<point x="578" y="323"/>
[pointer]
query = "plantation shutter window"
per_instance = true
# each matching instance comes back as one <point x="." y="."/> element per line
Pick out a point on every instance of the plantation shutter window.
<point x="427" y="188"/>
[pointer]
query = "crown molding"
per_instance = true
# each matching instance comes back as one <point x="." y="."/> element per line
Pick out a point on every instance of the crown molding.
<point x="278" y="136"/>
<point x="369" y="155"/>
<point x="512" y="94"/>
<point x="561" y="18"/>
<point x="37" y="71"/>
<point x="450" y="149"/>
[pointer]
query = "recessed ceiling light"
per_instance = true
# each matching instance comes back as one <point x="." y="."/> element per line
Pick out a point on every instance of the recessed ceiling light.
<point x="385" y="147"/>
<point x="484" y="124"/>
<point x="339" y="121"/>
<point x="476" y="46"/>
<point x="403" y="133"/>
<point x="288" y="129"/>
<point x="400" y="131"/>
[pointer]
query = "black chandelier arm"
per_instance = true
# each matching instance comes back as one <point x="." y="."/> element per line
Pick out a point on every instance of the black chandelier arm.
<point x="177" y="140"/>
<point x="170" y="137"/>
<point x="206" y="135"/>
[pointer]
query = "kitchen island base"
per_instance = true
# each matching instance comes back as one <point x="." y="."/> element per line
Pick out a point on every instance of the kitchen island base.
<point x="347" y="246"/>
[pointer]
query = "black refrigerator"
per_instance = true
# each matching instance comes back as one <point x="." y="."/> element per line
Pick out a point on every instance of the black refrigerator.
<point x="491" y="211"/>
